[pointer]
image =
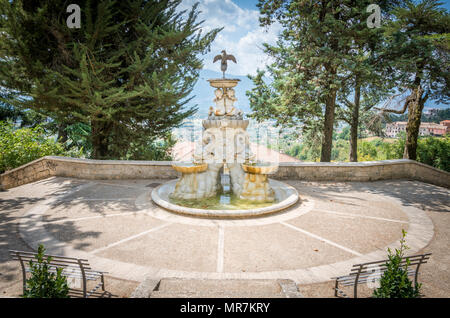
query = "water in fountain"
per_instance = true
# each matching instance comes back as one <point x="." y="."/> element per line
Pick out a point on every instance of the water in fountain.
<point x="225" y="196"/>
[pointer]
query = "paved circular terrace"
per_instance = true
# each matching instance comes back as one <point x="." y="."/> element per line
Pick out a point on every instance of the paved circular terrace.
<point x="116" y="226"/>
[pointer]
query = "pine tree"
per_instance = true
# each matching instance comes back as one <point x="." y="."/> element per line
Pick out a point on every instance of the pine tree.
<point x="305" y="70"/>
<point x="418" y="46"/>
<point x="366" y="83"/>
<point x="318" y="41"/>
<point x="126" y="72"/>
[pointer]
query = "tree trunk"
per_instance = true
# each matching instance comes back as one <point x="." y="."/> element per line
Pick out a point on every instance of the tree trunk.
<point x="100" y="133"/>
<point x="62" y="133"/>
<point x="354" y="124"/>
<point x="415" y="107"/>
<point x="327" y="142"/>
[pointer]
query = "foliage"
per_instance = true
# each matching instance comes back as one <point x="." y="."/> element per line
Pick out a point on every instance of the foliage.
<point x="417" y="48"/>
<point x="20" y="146"/>
<point x="126" y="72"/>
<point x="340" y="150"/>
<point x="437" y="117"/>
<point x="26" y="118"/>
<point x="304" y="152"/>
<point x="344" y="134"/>
<point x="364" y="84"/>
<point x="44" y="283"/>
<point x="394" y="282"/>
<point x="433" y="151"/>
<point x="367" y="151"/>
<point x="7" y="111"/>
<point x="79" y="137"/>
<point x="149" y="149"/>
<point x="309" y="149"/>
<point x="323" y="51"/>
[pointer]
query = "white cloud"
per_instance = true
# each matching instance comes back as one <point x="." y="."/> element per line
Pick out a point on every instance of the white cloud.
<point x="242" y="36"/>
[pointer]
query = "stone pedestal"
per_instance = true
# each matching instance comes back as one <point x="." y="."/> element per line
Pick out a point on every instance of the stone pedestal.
<point x="197" y="183"/>
<point x="237" y="176"/>
<point x="256" y="188"/>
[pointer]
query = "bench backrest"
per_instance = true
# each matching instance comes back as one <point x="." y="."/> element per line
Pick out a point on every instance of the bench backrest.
<point x="58" y="261"/>
<point x="367" y="268"/>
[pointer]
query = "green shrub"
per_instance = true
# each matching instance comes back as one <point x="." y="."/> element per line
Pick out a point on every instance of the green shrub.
<point x="20" y="146"/>
<point x="434" y="151"/>
<point x="367" y="151"/>
<point x="431" y="150"/>
<point x="395" y="282"/>
<point x="151" y="149"/>
<point x="43" y="283"/>
<point x="79" y="139"/>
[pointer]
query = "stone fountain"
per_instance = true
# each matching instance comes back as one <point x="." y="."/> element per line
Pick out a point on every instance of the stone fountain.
<point x="225" y="146"/>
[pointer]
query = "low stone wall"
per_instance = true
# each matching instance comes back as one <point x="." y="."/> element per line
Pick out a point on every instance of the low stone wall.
<point x="315" y="171"/>
<point x="86" y="169"/>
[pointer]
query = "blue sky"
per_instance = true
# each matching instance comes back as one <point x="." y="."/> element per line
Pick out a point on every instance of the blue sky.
<point x="243" y="37"/>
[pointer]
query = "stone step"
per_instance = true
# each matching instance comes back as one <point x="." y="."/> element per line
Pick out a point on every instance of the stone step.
<point x="231" y="285"/>
<point x="220" y="288"/>
<point x="213" y="294"/>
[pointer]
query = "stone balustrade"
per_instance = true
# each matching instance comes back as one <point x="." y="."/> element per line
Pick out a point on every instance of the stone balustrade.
<point x="308" y="171"/>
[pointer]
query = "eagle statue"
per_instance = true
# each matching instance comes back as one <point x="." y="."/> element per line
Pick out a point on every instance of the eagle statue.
<point x="224" y="57"/>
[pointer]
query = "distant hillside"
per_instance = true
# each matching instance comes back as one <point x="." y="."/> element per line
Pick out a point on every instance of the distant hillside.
<point x="438" y="116"/>
<point x="204" y="93"/>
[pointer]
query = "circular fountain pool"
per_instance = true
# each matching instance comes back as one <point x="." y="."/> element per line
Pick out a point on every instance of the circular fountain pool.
<point x="285" y="196"/>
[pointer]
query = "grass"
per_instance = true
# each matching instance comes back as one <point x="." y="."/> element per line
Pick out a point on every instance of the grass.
<point x="373" y="138"/>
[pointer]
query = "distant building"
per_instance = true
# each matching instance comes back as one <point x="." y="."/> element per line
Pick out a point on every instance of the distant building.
<point x="426" y="129"/>
<point x="446" y="123"/>
<point x="393" y="129"/>
<point x="434" y="129"/>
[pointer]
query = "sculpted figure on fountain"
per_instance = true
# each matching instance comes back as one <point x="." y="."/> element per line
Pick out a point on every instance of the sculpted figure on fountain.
<point x="224" y="100"/>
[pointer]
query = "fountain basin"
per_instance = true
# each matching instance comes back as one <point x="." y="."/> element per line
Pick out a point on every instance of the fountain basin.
<point x="190" y="167"/>
<point x="223" y="82"/>
<point x="285" y="196"/>
<point x="260" y="168"/>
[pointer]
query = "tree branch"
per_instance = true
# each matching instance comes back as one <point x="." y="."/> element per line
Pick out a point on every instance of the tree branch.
<point x="389" y="101"/>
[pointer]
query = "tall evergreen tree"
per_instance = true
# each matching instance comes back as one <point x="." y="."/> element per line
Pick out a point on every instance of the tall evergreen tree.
<point x="127" y="71"/>
<point x="418" y="46"/>
<point x="305" y="69"/>
<point x="318" y="40"/>
<point x="366" y="71"/>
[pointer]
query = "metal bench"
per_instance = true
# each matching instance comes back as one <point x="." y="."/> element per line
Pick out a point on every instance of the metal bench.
<point x="372" y="271"/>
<point x="74" y="268"/>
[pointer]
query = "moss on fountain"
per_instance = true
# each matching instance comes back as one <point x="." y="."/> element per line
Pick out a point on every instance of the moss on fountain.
<point x="214" y="203"/>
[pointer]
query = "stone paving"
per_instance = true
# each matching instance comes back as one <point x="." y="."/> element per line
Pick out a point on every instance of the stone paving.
<point x="115" y="225"/>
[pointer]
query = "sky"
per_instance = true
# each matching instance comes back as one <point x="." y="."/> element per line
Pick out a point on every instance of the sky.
<point x="242" y="37"/>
